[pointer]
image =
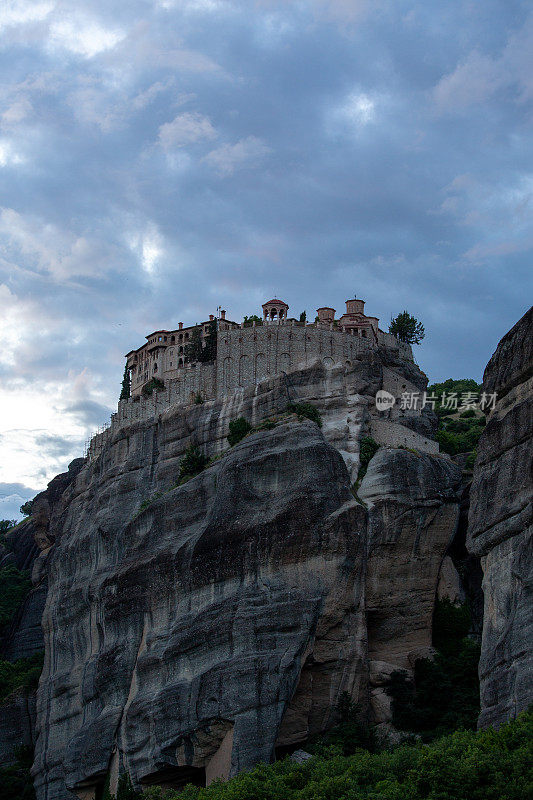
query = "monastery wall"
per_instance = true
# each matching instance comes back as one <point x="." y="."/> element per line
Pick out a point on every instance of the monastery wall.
<point x="246" y="356"/>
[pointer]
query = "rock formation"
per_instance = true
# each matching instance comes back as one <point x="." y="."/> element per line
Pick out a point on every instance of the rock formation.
<point x="222" y="621"/>
<point x="500" y="521"/>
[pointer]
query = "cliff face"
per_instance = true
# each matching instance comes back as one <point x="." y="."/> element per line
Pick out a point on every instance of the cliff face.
<point x="176" y="636"/>
<point x="223" y="621"/>
<point x="500" y="526"/>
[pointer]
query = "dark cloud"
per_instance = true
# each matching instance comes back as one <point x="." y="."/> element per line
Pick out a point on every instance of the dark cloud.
<point x="159" y="159"/>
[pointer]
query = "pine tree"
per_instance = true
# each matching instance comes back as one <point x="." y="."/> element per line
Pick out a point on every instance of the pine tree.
<point x="209" y="352"/>
<point x="407" y="328"/>
<point x="126" y="384"/>
<point x="193" y="348"/>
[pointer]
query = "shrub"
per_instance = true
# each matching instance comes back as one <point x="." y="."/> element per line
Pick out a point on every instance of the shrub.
<point x="15" y="586"/>
<point x="471" y="460"/>
<point x="367" y="451"/>
<point x="198" y="399"/>
<point x="23" y="673"/>
<point x="238" y="428"/>
<point x="489" y="765"/>
<point x="192" y="463"/>
<point x="306" y="411"/>
<point x="445" y="693"/>
<point x="468" y="414"/>
<point x="349" y="735"/>
<point x="16" y="780"/>
<point x="153" y="385"/>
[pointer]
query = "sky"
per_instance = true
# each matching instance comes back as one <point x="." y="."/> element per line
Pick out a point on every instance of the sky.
<point x="160" y="158"/>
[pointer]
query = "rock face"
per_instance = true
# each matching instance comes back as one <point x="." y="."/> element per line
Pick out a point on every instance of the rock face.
<point x="500" y="527"/>
<point x="202" y="617"/>
<point x="222" y="622"/>
<point x="413" y="502"/>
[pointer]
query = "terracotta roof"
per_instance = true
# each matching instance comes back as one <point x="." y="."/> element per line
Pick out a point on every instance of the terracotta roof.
<point x="279" y="302"/>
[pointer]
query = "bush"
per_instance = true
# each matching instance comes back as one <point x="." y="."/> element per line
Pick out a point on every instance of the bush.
<point x="16" y="780"/>
<point x="367" y="451"/>
<point x="154" y="385"/>
<point x="15" y="586"/>
<point x="445" y="693"/>
<point x="238" y="428"/>
<point x="23" y="673"/>
<point x="349" y="735"/>
<point x="489" y="765"/>
<point x="192" y="463"/>
<point x="306" y="411"/>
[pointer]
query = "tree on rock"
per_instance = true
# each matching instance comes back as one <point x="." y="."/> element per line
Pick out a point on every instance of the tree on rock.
<point x="407" y="328"/>
<point x="126" y="385"/>
<point x="26" y="508"/>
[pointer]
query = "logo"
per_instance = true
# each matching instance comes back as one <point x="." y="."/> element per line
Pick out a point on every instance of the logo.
<point x="384" y="400"/>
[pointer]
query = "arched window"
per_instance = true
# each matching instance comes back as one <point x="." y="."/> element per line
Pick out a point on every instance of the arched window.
<point x="155" y="367"/>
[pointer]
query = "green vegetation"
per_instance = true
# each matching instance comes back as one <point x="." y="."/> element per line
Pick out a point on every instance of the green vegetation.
<point x="367" y="451"/>
<point x="23" y="673"/>
<point x="26" y="508"/>
<point x="198" y="399"/>
<point x="209" y="351"/>
<point x="15" y="586"/>
<point x="303" y="318"/>
<point x="407" y="328"/>
<point x="15" y="780"/>
<point x="306" y="411"/>
<point x="125" y="790"/>
<point x="146" y="503"/>
<point x="490" y="765"/>
<point x="153" y="385"/>
<point x="445" y="693"/>
<point x="461" y="433"/>
<point x="195" y="350"/>
<point x="192" y="463"/>
<point x="349" y="735"/>
<point x="126" y="385"/>
<point x="249" y="321"/>
<point x="238" y="428"/>
<point x="6" y="525"/>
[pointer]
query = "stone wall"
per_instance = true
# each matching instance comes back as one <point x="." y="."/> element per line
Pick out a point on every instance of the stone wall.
<point x="247" y="356"/>
<point x="251" y="355"/>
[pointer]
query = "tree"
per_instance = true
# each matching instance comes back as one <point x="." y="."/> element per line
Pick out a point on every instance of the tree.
<point x="6" y="525"/>
<point x="126" y="385"/>
<point x="193" y="348"/>
<point x="209" y="351"/>
<point x="26" y="508"/>
<point x="407" y="328"/>
<point x="303" y="318"/>
<point x="238" y="428"/>
<point x="253" y="318"/>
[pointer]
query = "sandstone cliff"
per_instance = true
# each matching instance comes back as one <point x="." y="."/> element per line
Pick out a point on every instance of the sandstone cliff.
<point x="500" y="527"/>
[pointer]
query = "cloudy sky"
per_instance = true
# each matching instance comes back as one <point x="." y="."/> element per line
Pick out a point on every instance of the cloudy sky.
<point x="159" y="158"/>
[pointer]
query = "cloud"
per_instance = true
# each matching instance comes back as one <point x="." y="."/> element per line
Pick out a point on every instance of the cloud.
<point x="23" y="12"/>
<point x="185" y="129"/>
<point x="473" y="81"/>
<point x="228" y="158"/>
<point x="83" y="36"/>
<point x="161" y="159"/>
<point x="46" y="247"/>
<point x="479" y="76"/>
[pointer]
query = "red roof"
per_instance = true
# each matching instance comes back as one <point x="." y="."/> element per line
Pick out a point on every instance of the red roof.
<point x="276" y="302"/>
